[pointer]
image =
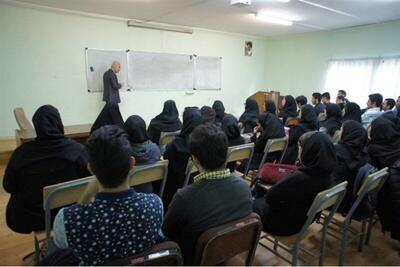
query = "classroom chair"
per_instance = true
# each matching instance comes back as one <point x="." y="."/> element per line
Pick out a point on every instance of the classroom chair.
<point x="190" y="169"/>
<point x="162" y="254"/>
<point x="150" y="173"/>
<point x="342" y="229"/>
<point x="240" y="153"/>
<point x="274" y="145"/>
<point x="22" y="120"/>
<point x="328" y="199"/>
<point x="219" y="244"/>
<point x="166" y="138"/>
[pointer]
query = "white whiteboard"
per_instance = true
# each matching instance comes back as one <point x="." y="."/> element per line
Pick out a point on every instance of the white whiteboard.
<point x="208" y="73"/>
<point x="160" y="71"/>
<point x="99" y="61"/>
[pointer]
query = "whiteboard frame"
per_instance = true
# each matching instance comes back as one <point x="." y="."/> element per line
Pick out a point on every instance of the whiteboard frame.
<point x="126" y="51"/>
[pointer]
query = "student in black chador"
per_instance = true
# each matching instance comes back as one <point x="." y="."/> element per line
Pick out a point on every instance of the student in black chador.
<point x="49" y="159"/>
<point x="333" y="120"/>
<point x="178" y="154"/>
<point x="289" y="109"/>
<point x="248" y="119"/>
<point x="166" y="121"/>
<point x="284" y="208"/>
<point x="308" y="122"/>
<point x="109" y="115"/>
<point x="230" y="126"/>
<point x="352" y="111"/>
<point x="219" y="109"/>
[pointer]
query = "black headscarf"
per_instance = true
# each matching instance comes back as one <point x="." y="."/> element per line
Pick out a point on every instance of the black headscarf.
<point x="191" y="119"/>
<point x="109" y="115"/>
<point x="251" y="111"/>
<point x="308" y="120"/>
<point x="168" y="119"/>
<point x="208" y="114"/>
<point x="333" y="120"/>
<point x="270" y="107"/>
<point x="272" y="126"/>
<point x="47" y="123"/>
<point x="289" y="110"/>
<point x="230" y="126"/>
<point x="354" y="140"/>
<point x="352" y="111"/>
<point x="384" y="146"/>
<point x="317" y="155"/>
<point x="219" y="109"/>
<point x="135" y="127"/>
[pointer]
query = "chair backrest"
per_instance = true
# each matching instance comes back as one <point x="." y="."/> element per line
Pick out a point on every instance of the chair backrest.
<point x="190" y="169"/>
<point x="22" y="120"/>
<point x="372" y="182"/>
<point x="330" y="198"/>
<point x="150" y="173"/>
<point x="166" y="138"/>
<point x="241" y="152"/>
<point x="222" y="243"/>
<point x="274" y="145"/>
<point x="162" y="254"/>
<point x="62" y="194"/>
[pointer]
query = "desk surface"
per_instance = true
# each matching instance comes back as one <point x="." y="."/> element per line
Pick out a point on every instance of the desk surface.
<point x="71" y="131"/>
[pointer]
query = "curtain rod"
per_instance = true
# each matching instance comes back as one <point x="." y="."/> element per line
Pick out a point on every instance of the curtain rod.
<point x="365" y="58"/>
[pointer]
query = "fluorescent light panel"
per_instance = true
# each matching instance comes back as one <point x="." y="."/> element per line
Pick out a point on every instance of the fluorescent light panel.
<point x="274" y="20"/>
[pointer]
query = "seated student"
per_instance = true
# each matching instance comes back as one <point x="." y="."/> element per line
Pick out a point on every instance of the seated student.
<point x="333" y="120"/>
<point x="308" y="122"/>
<point x="284" y="208"/>
<point x="289" y="109"/>
<point x="384" y="150"/>
<point x="373" y="109"/>
<point x="351" y="155"/>
<point x="248" y="120"/>
<point x="342" y="93"/>
<point x="143" y="150"/>
<point x="326" y="98"/>
<point x="352" y="111"/>
<point x="270" y="107"/>
<point x="301" y="101"/>
<point x="120" y="222"/>
<point x="216" y="197"/>
<point x="230" y="126"/>
<point x="49" y="159"/>
<point x="397" y="110"/>
<point x="167" y="121"/>
<point x="177" y="152"/>
<point x="219" y="109"/>
<point x="208" y="114"/>
<point x="109" y="115"/>
<point x="388" y="105"/>
<point x="316" y="101"/>
<point x="269" y="127"/>
<point x="340" y="101"/>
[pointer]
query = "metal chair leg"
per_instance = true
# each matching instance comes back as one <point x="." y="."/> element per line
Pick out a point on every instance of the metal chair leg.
<point x="295" y="255"/>
<point x="369" y="231"/>
<point x="362" y="234"/>
<point x="343" y="245"/>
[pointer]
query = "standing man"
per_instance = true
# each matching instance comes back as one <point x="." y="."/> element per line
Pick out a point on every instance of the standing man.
<point x="111" y="85"/>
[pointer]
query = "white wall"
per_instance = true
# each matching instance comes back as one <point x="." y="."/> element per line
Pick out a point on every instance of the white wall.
<point x="43" y="62"/>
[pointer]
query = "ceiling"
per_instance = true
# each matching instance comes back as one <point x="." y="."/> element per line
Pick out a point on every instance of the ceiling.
<point x="220" y="15"/>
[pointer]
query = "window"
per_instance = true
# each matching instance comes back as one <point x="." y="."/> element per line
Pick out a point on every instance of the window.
<point x="361" y="77"/>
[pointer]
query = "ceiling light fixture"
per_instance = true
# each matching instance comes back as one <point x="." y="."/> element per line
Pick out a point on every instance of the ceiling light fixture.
<point x="274" y="20"/>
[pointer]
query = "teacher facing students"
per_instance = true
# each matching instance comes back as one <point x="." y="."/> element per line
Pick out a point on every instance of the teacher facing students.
<point x="111" y="85"/>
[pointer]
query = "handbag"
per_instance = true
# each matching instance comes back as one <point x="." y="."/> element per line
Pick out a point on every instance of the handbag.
<point x="271" y="173"/>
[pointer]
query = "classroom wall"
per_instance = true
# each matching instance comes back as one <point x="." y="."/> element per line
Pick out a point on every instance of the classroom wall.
<point x="43" y="62"/>
<point x="298" y="64"/>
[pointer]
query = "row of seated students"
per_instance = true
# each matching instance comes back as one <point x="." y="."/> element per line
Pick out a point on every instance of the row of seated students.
<point x="215" y="197"/>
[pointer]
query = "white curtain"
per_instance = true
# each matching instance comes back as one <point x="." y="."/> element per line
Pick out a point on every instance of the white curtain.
<point x="387" y="78"/>
<point x="353" y="76"/>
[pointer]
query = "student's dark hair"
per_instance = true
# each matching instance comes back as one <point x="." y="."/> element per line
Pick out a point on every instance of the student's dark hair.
<point x="317" y="96"/>
<point x="327" y="95"/>
<point x="209" y="145"/>
<point x="390" y="102"/>
<point x="377" y="99"/>
<point x="302" y="100"/>
<point x="109" y="155"/>
<point x="343" y="92"/>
